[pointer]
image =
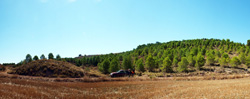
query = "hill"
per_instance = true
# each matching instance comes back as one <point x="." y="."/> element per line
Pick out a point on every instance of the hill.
<point x="186" y="56"/>
<point x="49" y="68"/>
<point x="182" y="56"/>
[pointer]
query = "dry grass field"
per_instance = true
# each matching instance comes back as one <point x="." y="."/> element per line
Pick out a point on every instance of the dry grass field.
<point x="165" y="89"/>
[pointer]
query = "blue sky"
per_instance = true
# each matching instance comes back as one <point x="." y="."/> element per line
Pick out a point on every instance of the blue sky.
<point x="73" y="27"/>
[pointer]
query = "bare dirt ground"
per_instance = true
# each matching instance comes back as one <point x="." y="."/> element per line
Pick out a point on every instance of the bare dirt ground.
<point x="161" y="89"/>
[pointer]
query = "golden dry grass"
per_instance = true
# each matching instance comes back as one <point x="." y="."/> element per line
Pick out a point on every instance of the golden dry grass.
<point x="165" y="89"/>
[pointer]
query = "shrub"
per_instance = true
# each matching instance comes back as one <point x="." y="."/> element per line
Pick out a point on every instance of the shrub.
<point x="234" y="62"/>
<point x="6" y="64"/>
<point x="225" y="55"/>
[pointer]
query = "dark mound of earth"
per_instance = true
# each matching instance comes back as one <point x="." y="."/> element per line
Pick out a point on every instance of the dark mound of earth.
<point x="49" y="68"/>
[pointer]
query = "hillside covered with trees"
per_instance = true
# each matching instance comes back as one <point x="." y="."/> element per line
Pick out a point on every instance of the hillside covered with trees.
<point x="168" y="57"/>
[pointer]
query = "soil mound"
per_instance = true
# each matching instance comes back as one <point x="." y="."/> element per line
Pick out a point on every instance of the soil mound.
<point x="49" y="68"/>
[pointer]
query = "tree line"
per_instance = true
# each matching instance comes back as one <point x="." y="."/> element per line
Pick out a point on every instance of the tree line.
<point x="173" y="56"/>
<point x="29" y="58"/>
<point x="180" y="55"/>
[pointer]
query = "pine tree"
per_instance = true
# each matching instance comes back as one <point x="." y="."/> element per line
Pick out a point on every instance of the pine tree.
<point x="224" y="60"/>
<point x="200" y="61"/>
<point x="167" y="65"/>
<point x="42" y="56"/>
<point x="191" y="61"/>
<point x="182" y="66"/>
<point x="51" y="56"/>
<point x="210" y="59"/>
<point x="58" y="57"/>
<point x="248" y="61"/>
<point x="248" y="42"/>
<point x="234" y="62"/>
<point x="127" y="63"/>
<point x="105" y="66"/>
<point x="150" y="63"/>
<point x="242" y="58"/>
<point x="28" y="58"/>
<point x="139" y="65"/>
<point x="175" y="62"/>
<point x="35" y="57"/>
<point x="114" y="65"/>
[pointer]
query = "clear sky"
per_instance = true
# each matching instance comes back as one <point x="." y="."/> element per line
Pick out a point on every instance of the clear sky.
<point x="73" y="27"/>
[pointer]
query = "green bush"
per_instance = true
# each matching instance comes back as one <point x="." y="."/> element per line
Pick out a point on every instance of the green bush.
<point x="234" y="62"/>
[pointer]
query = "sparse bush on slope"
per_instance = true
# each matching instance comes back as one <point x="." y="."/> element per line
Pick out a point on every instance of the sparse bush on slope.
<point x="49" y="68"/>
